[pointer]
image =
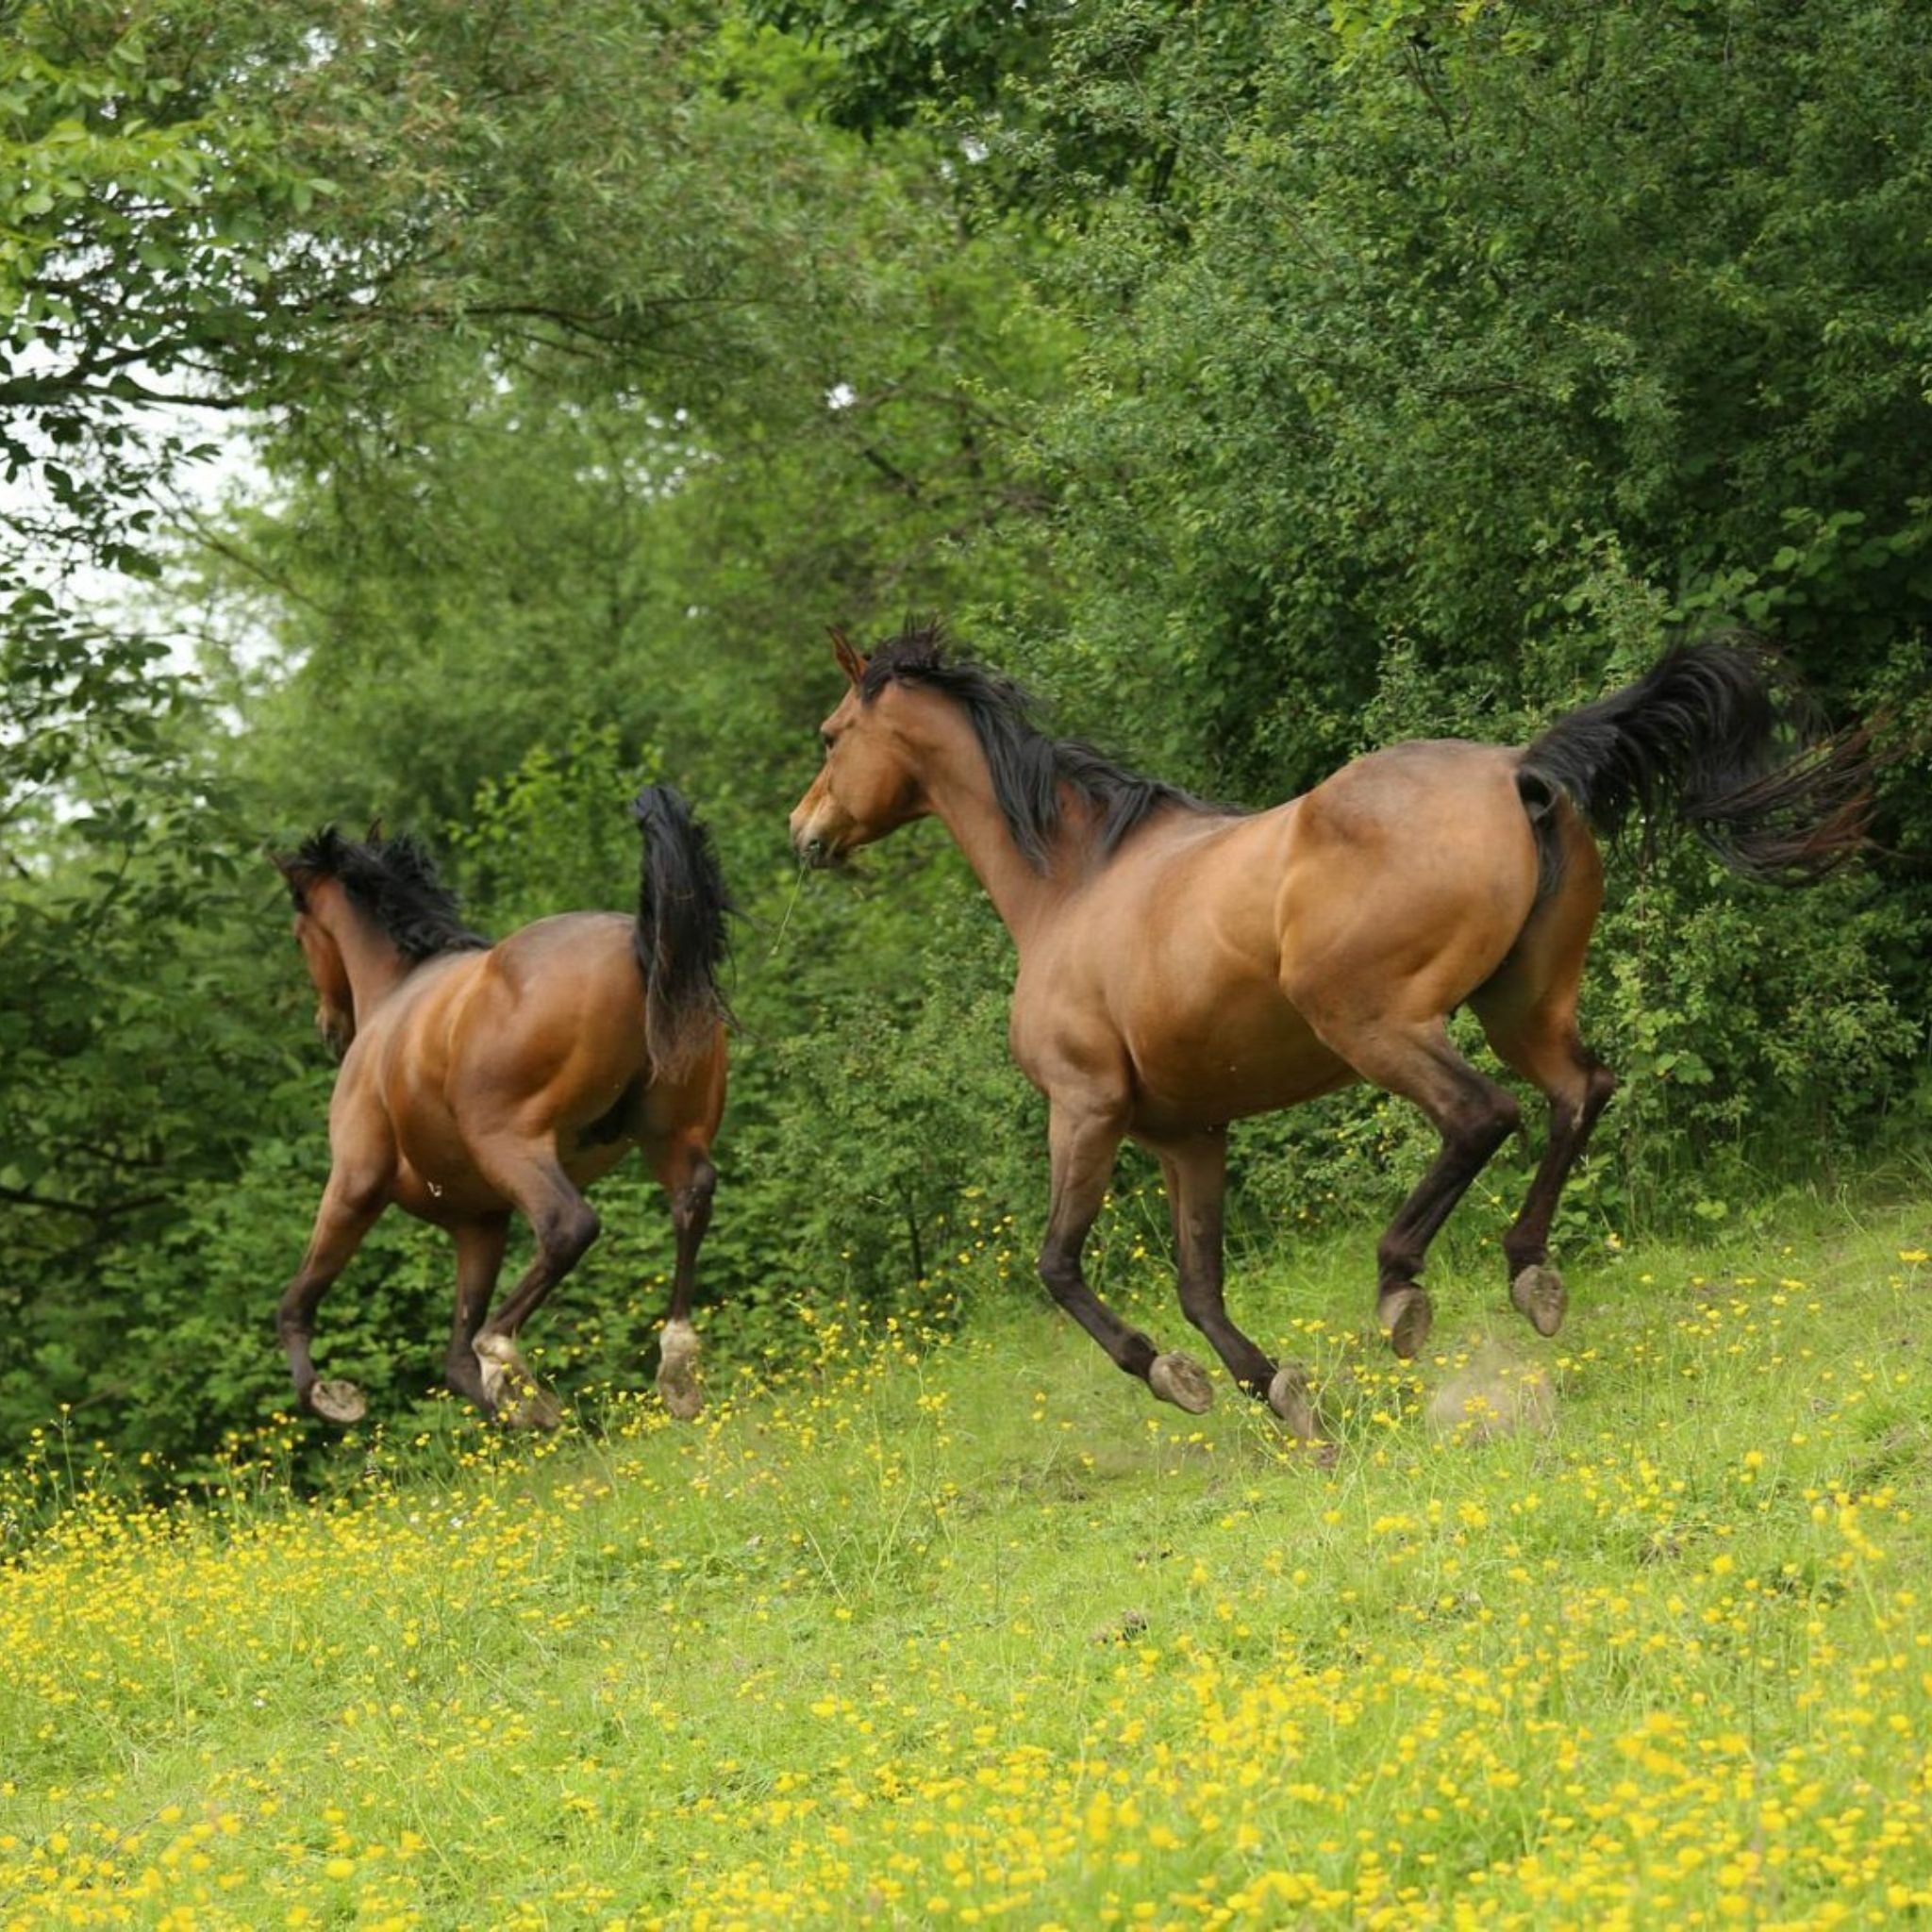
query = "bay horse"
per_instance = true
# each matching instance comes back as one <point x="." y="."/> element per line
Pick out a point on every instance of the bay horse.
<point x="1182" y="965"/>
<point x="480" y="1080"/>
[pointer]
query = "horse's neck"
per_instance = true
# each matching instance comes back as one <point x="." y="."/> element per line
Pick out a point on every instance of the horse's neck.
<point x="370" y="957"/>
<point x="959" y="787"/>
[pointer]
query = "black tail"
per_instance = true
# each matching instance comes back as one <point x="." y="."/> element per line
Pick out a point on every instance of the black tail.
<point x="1718" y="734"/>
<point x="680" y="938"/>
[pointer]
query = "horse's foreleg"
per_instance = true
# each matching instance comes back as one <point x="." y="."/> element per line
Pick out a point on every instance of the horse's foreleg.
<point x="565" y="1224"/>
<point x="479" y="1260"/>
<point x="1195" y="1174"/>
<point x="1084" y="1141"/>
<point x="346" y="1214"/>
<point x="685" y="1172"/>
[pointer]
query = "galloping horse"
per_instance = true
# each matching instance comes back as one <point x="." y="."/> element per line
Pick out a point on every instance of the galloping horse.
<point x="1182" y="965"/>
<point x="478" y="1079"/>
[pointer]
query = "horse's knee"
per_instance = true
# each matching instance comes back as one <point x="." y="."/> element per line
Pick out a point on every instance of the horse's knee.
<point x="1489" y="1120"/>
<point x="1583" y="1095"/>
<point x="692" y="1202"/>
<point x="1060" y="1272"/>
<point x="566" y="1232"/>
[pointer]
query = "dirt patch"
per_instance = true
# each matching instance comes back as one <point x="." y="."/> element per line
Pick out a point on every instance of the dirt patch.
<point x="1496" y="1392"/>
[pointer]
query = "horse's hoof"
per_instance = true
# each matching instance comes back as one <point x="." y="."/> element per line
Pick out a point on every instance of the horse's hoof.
<point x="502" y="1369"/>
<point x="1289" y="1398"/>
<point x="512" y="1395"/>
<point x="1539" y="1293"/>
<point x="678" y="1385"/>
<point x="338" y="1402"/>
<point x="683" y="1402"/>
<point x="682" y="1392"/>
<point x="1175" y="1379"/>
<point x="677" y="1373"/>
<point x="530" y="1407"/>
<point x="1405" y="1317"/>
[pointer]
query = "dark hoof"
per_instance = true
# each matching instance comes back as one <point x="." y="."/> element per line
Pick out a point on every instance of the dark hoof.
<point x="1406" y="1318"/>
<point x="338" y="1402"/>
<point x="1539" y="1293"/>
<point x="1175" y="1379"/>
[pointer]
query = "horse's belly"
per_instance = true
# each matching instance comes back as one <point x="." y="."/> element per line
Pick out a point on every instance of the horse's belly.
<point x="1251" y="1055"/>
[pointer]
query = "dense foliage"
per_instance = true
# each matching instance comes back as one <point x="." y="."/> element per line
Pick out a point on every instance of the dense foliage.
<point x="1264" y="384"/>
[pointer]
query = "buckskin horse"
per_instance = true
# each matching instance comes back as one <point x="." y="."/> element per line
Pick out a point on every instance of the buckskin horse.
<point x="480" y="1080"/>
<point x="1182" y="965"/>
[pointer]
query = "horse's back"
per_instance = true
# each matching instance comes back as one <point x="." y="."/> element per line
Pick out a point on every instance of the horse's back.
<point x="1220" y="944"/>
<point x="557" y="1007"/>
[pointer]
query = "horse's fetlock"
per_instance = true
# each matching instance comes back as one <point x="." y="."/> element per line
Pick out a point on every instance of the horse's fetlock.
<point x="1523" y="1252"/>
<point x="1398" y="1261"/>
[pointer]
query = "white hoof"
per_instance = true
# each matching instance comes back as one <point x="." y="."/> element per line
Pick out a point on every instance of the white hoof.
<point x="683" y="1394"/>
<point x="1174" y="1378"/>
<point x="1289" y="1398"/>
<point x="512" y="1392"/>
<point x="531" y="1408"/>
<point x="494" y="1357"/>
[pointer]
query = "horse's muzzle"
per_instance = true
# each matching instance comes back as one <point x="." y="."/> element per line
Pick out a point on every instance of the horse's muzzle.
<point x="818" y="853"/>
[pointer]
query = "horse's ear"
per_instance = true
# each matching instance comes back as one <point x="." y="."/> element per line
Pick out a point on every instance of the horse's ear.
<point x="850" y="662"/>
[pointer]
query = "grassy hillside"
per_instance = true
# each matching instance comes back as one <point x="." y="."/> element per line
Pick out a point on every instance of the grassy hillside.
<point x="936" y="1628"/>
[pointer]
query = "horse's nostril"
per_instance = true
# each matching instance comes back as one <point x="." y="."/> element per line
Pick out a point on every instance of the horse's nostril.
<point x="815" y="851"/>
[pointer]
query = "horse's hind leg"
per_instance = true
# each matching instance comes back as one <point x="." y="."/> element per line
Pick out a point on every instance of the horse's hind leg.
<point x="565" y="1224"/>
<point x="1528" y="1010"/>
<point x="349" y="1209"/>
<point x="684" y="1171"/>
<point x="1195" y="1173"/>
<point x="1473" y="1116"/>
<point x="1084" y="1137"/>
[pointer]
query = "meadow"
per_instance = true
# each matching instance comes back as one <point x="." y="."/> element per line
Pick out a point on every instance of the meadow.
<point x="937" y="1621"/>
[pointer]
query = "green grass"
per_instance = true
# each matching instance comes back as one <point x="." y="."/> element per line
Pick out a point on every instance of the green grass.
<point x="939" y="1629"/>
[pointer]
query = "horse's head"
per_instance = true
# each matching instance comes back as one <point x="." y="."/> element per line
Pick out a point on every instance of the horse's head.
<point x="334" y="1008"/>
<point x="868" y="784"/>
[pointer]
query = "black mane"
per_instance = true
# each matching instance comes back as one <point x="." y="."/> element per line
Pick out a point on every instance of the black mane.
<point x="1028" y="767"/>
<point x="394" y="882"/>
